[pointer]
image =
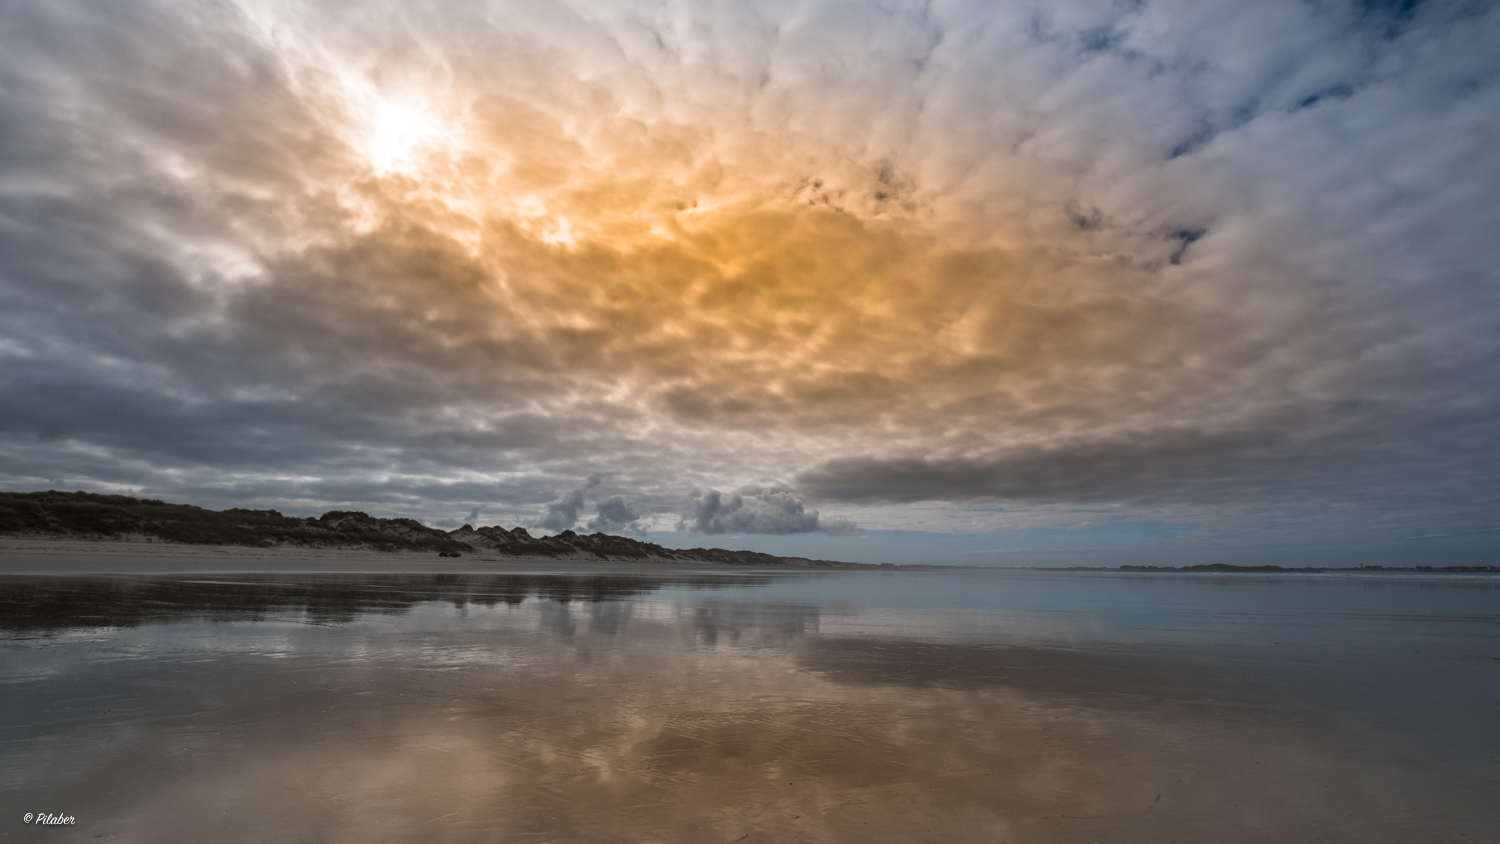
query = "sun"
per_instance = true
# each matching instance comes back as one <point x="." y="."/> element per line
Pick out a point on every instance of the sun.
<point x="396" y="135"/>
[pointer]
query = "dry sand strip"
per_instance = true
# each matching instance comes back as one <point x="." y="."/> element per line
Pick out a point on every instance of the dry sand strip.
<point x="139" y="556"/>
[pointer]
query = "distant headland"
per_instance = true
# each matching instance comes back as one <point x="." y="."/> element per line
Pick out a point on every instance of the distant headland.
<point x="1225" y="568"/>
<point x="92" y="516"/>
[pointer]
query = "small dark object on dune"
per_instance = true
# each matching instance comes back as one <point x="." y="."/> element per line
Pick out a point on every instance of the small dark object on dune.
<point x="449" y="554"/>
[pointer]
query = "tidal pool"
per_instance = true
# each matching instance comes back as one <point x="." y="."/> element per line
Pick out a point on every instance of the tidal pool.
<point x="702" y="706"/>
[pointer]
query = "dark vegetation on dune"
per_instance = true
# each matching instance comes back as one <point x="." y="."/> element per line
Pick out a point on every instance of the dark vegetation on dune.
<point x="86" y="515"/>
<point x="89" y="515"/>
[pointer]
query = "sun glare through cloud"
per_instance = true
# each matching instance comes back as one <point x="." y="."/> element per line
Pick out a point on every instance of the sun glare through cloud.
<point x="395" y="133"/>
<point x="395" y="137"/>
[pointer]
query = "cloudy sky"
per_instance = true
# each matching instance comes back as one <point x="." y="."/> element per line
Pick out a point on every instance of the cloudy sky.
<point x="1032" y="283"/>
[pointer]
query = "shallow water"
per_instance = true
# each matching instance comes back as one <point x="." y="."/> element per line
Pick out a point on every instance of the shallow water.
<point x="728" y="707"/>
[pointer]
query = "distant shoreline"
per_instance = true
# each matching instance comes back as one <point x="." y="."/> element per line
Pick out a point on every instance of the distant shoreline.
<point x="1225" y="568"/>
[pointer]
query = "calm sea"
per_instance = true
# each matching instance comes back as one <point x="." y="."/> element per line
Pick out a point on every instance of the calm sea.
<point x="702" y="706"/>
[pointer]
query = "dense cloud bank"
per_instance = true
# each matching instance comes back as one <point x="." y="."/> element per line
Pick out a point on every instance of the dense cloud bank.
<point x="1222" y="263"/>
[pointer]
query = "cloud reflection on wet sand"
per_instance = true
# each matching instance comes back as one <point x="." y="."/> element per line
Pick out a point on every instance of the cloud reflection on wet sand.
<point x="676" y="719"/>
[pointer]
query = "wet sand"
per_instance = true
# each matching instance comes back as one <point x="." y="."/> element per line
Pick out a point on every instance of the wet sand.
<point x="739" y="707"/>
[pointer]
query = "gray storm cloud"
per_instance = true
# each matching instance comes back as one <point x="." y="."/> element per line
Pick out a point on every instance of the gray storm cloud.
<point x="1234" y="258"/>
<point x="562" y="514"/>
<point x="754" y="510"/>
<point x="616" y="515"/>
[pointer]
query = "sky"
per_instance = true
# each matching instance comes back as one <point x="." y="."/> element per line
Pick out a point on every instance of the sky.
<point x="1062" y="283"/>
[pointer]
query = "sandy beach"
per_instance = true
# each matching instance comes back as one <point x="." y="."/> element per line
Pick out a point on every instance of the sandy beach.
<point x="139" y="556"/>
